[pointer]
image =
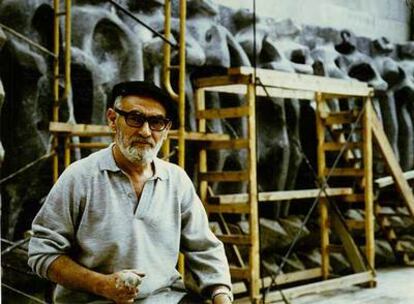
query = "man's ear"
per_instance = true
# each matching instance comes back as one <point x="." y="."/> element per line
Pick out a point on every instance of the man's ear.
<point x="111" y="118"/>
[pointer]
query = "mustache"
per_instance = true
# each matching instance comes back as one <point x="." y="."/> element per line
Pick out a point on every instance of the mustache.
<point x="141" y="140"/>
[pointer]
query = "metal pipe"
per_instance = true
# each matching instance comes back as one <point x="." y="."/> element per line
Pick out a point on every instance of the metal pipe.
<point x="166" y="75"/>
<point x="68" y="35"/>
<point x="181" y="85"/>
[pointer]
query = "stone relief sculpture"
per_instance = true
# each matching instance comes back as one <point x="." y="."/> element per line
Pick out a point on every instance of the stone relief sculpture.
<point x="404" y="98"/>
<point x="108" y="46"/>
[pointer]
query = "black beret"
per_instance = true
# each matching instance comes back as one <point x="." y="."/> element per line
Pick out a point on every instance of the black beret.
<point x="147" y="89"/>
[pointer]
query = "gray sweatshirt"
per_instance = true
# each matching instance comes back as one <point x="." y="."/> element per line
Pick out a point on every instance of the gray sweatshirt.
<point x="92" y="215"/>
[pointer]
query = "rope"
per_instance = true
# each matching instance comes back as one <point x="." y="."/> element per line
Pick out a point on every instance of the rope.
<point x="28" y="166"/>
<point x="24" y="294"/>
<point x="27" y="40"/>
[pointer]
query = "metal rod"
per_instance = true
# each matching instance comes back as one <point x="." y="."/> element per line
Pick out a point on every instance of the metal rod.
<point x="166" y="75"/>
<point x="15" y="245"/>
<point x="127" y="12"/>
<point x="68" y="35"/>
<point x="55" y="115"/>
<point x="23" y="294"/>
<point x="25" y="39"/>
<point x="29" y="165"/>
<point x="181" y="85"/>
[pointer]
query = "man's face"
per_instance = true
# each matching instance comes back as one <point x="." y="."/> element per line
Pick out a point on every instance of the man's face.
<point x="138" y="144"/>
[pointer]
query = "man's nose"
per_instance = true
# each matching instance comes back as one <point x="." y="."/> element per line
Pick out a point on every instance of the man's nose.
<point x="145" y="130"/>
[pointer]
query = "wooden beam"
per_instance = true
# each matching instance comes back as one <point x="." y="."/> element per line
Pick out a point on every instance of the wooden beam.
<point x="230" y="208"/>
<point x="80" y="129"/>
<point x="280" y="195"/>
<point x="282" y="279"/>
<point x="337" y="146"/>
<point x="305" y="82"/>
<point x="224" y="176"/>
<point x="368" y="182"/>
<point x="389" y="180"/>
<point x="235" y="239"/>
<point x="315" y="288"/>
<point x="227" y="144"/>
<point x="350" y="248"/>
<point x="223" y="113"/>
<point x="344" y="172"/>
<point x="239" y="272"/>
<point x="392" y="163"/>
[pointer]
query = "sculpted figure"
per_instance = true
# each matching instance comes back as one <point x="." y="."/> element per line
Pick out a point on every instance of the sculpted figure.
<point x="26" y="110"/>
<point x="404" y="98"/>
<point x="221" y="51"/>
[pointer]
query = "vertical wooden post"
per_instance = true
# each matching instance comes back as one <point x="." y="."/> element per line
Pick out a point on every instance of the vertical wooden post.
<point x="323" y="204"/>
<point x="254" y="257"/>
<point x="67" y="151"/>
<point x="202" y="156"/>
<point x="55" y="115"/>
<point x="368" y="181"/>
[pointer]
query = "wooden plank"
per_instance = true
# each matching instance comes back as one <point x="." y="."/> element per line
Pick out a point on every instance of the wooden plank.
<point x="305" y="82"/>
<point x="239" y="272"/>
<point x="339" y="120"/>
<point x="268" y="92"/>
<point x="353" y="198"/>
<point x="80" y="129"/>
<point x="93" y="145"/>
<point x="227" y="144"/>
<point x="392" y="163"/>
<point x="223" y="113"/>
<point x="235" y="239"/>
<point x="350" y="248"/>
<point x="338" y="146"/>
<point x="223" y="80"/>
<point x="280" y="195"/>
<point x="344" y="172"/>
<point x="199" y="136"/>
<point x="282" y="279"/>
<point x="230" y="208"/>
<point x="318" y="287"/>
<point x="355" y="224"/>
<point x="224" y="176"/>
<point x="389" y="180"/>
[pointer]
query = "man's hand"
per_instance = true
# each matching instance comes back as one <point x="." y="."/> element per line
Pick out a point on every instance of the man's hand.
<point x="221" y="299"/>
<point x="122" y="287"/>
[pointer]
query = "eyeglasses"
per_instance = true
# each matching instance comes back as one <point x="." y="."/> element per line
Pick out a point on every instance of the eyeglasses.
<point x="136" y="120"/>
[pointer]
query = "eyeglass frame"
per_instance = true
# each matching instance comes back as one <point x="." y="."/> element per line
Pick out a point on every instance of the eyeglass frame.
<point x="144" y="117"/>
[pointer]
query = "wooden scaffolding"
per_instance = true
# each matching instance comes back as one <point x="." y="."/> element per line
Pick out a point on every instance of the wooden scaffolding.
<point x="358" y="171"/>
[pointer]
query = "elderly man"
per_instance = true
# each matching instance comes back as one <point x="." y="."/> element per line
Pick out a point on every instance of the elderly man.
<point x="112" y="226"/>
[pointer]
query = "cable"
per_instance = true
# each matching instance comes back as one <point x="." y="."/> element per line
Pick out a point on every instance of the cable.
<point x="128" y="13"/>
<point x="23" y="294"/>
<point x="28" y="166"/>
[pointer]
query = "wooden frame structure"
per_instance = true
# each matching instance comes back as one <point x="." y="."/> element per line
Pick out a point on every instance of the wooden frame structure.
<point x="244" y="81"/>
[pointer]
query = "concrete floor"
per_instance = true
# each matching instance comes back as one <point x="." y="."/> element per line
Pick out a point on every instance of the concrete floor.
<point x="394" y="286"/>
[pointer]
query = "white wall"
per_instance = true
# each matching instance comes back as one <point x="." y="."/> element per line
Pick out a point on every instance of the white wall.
<point x="369" y="18"/>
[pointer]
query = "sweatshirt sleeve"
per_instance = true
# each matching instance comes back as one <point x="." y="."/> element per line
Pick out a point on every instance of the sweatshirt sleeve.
<point x="205" y="257"/>
<point x="54" y="225"/>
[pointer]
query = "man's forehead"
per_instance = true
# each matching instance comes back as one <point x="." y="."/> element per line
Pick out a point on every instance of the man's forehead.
<point x="142" y="103"/>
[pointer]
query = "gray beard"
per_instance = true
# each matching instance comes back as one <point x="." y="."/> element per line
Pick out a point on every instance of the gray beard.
<point x="136" y="155"/>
